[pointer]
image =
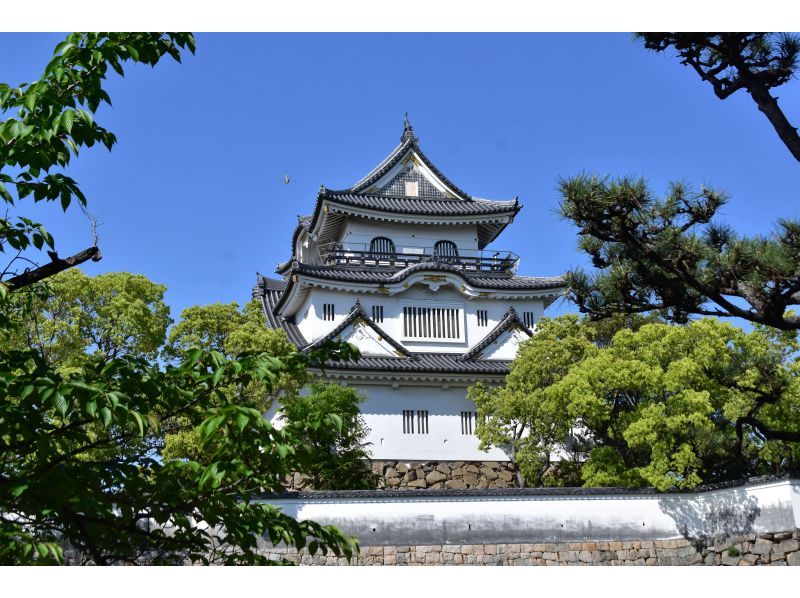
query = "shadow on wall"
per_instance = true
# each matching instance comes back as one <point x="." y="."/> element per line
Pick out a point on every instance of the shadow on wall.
<point x="712" y="514"/>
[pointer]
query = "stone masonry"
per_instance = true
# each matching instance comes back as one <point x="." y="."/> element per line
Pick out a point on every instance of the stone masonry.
<point x="779" y="549"/>
<point x="455" y="475"/>
<point x="433" y="475"/>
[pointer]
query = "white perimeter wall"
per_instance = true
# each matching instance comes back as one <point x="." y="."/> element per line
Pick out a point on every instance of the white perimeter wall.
<point x="415" y="518"/>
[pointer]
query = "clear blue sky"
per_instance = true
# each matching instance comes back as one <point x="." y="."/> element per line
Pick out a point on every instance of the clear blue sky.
<point x="193" y="194"/>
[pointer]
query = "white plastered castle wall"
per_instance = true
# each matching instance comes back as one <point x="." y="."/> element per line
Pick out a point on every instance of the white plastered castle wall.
<point x="444" y="441"/>
<point x="312" y="325"/>
<point x="361" y="231"/>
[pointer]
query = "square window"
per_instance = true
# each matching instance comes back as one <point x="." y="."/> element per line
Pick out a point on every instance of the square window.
<point x="328" y="311"/>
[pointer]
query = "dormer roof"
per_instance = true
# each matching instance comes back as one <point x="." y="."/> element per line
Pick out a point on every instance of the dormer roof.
<point x="356" y="315"/>
<point x="383" y="195"/>
<point x="510" y="321"/>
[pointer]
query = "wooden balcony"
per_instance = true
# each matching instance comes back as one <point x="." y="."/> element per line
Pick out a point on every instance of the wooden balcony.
<point x="362" y="256"/>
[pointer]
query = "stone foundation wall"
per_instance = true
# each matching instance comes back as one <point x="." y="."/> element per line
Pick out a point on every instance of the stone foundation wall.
<point x="766" y="549"/>
<point x="437" y="475"/>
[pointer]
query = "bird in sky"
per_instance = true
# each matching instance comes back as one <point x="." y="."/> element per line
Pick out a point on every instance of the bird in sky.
<point x="286" y="179"/>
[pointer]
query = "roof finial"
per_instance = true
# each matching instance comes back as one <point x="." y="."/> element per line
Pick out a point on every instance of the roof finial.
<point x="408" y="130"/>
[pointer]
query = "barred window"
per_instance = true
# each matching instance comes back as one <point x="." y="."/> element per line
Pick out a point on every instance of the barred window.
<point x="483" y="317"/>
<point x="469" y="421"/>
<point x="381" y="248"/>
<point x="408" y="421"/>
<point x="328" y="311"/>
<point x="528" y="318"/>
<point x="415" y="425"/>
<point x="377" y="314"/>
<point x="422" y="422"/>
<point x="432" y="323"/>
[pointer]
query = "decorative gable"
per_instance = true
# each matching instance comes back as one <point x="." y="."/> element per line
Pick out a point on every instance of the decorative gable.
<point x="359" y="329"/>
<point x="502" y="342"/>
<point x="505" y="346"/>
<point x="367" y="340"/>
<point x="403" y="181"/>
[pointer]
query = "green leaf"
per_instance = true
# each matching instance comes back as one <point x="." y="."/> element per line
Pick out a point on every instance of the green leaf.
<point x="210" y="425"/>
<point x="139" y="422"/>
<point x="18" y="489"/>
<point x="60" y="403"/>
<point x="67" y="118"/>
<point x="30" y="101"/>
<point x="133" y="52"/>
<point x="241" y="420"/>
<point x="91" y="408"/>
<point x="105" y="416"/>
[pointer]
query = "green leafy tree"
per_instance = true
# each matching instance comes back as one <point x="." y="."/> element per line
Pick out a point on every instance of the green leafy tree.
<point x="231" y="331"/>
<point x="64" y="480"/>
<point x="664" y="253"/>
<point x="667" y="406"/>
<point x="114" y="314"/>
<point x="521" y="416"/>
<point x="341" y="459"/>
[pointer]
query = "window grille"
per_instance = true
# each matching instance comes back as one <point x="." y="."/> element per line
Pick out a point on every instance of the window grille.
<point x="415" y="425"/>
<point x="445" y="251"/>
<point x="408" y="421"/>
<point x="469" y="421"/>
<point x="528" y="318"/>
<point x="381" y="248"/>
<point x="422" y="422"/>
<point x="432" y="322"/>
<point x="483" y="317"/>
<point x="377" y="314"/>
<point x="328" y="311"/>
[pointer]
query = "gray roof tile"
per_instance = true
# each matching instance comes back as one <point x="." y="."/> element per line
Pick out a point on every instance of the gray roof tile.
<point x="423" y="206"/>
<point x="388" y="276"/>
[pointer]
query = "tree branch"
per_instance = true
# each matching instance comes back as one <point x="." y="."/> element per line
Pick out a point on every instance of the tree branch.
<point x="57" y="265"/>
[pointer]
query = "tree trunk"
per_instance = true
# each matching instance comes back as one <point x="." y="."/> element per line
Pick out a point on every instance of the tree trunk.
<point x="769" y="106"/>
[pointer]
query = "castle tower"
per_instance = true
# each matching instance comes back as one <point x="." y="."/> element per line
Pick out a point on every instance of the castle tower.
<point x="398" y="265"/>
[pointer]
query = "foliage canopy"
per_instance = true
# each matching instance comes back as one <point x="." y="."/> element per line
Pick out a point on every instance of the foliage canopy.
<point x="666" y="254"/>
<point x="80" y="434"/>
<point x="667" y="406"/>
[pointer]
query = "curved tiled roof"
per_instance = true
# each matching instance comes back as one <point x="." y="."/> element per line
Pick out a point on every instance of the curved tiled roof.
<point x="269" y="292"/>
<point x="429" y="363"/>
<point x="387" y="276"/>
<point x="409" y="141"/>
<point x="422" y="206"/>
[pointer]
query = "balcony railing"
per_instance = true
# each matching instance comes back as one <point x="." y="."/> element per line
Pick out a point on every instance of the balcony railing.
<point x="471" y="260"/>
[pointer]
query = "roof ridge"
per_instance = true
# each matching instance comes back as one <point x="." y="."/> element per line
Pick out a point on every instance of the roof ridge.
<point x="332" y="192"/>
<point x="509" y="319"/>
<point x="358" y="311"/>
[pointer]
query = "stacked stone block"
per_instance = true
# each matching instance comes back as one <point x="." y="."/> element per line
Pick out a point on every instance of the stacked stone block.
<point x="455" y="475"/>
<point x="766" y="549"/>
